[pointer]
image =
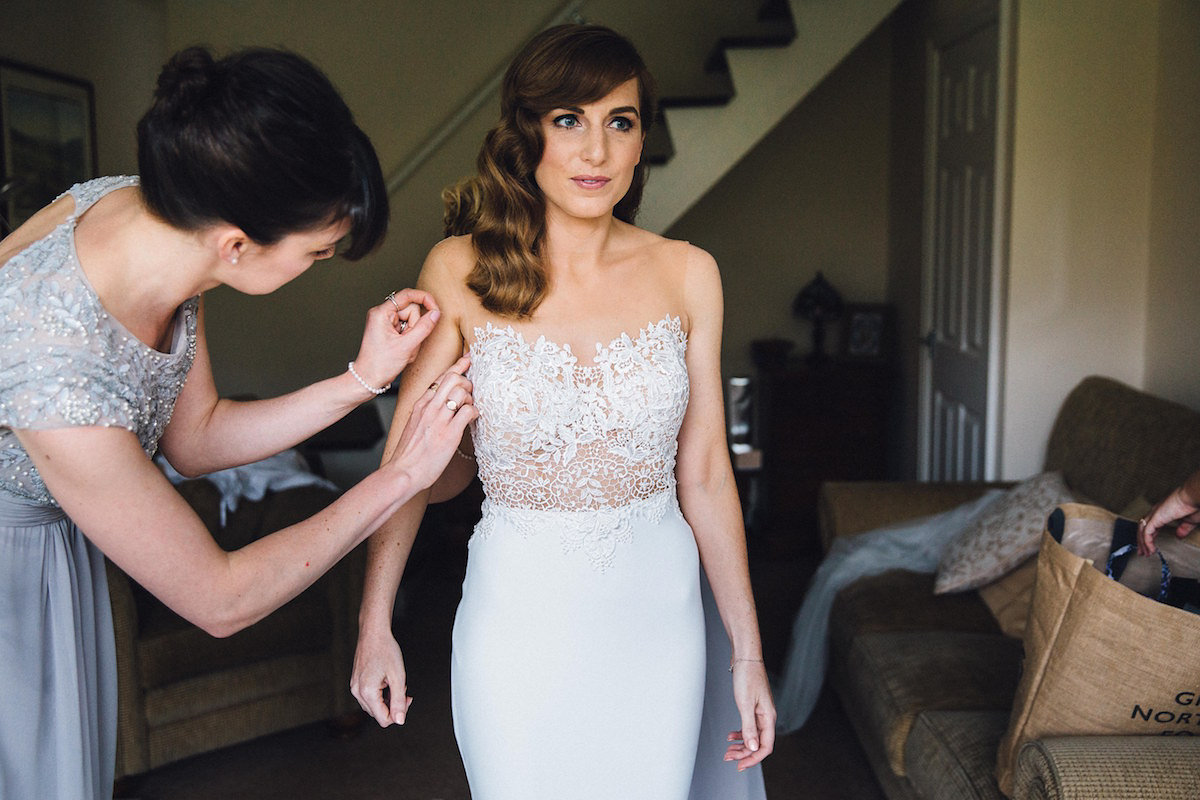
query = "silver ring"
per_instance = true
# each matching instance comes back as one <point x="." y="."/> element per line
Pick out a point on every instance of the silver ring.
<point x="392" y="296"/>
<point x="433" y="386"/>
<point x="452" y="405"/>
<point x="403" y="325"/>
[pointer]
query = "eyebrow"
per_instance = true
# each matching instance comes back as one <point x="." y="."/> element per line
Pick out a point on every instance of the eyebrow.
<point x="621" y="110"/>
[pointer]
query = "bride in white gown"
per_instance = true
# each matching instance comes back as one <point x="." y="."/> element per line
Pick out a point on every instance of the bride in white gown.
<point x="578" y="666"/>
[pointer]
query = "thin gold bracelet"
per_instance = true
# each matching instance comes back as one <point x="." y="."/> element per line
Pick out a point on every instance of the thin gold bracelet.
<point x="751" y="660"/>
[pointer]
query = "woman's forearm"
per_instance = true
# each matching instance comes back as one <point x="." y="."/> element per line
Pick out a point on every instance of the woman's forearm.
<point x="241" y="432"/>
<point x="387" y="555"/>
<point x="714" y="513"/>
<point x="270" y="571"/>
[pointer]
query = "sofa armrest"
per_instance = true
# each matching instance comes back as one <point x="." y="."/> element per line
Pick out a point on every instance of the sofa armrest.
<point x="1108" y="768"/>
<point x="847" y="508"/>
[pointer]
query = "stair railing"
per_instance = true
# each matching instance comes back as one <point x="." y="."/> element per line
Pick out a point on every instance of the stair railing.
<point x="568" y="12"/>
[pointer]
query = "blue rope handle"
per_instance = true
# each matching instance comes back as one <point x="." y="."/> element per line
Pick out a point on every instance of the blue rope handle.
<point x="1126" y="550"/>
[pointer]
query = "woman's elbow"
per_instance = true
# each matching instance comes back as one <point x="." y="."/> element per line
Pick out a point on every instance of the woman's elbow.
<point x="220" y="615"/>
<point x="182" y="461"/>
<point x="222" y="624"/>
<point x="709" y="475"/>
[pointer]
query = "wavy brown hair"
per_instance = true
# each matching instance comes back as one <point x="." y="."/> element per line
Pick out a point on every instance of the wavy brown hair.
<point x="502" y="206"/>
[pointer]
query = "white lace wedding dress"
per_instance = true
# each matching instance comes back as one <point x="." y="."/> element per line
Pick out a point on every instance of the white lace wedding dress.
<point x="579" y="646"/>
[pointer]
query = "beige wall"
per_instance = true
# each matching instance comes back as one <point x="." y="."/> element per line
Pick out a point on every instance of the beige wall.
<point x="1080" y="229"/>
<point x="115" y="44"/>
<point x="1105" y="177"/>
<point x="404" y="67"/>
<point x="811" y="196"/>
<point x="1173" y="293"/>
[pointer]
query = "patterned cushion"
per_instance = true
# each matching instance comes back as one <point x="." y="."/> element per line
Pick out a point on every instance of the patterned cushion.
<point x="897" y="676"/>
<point x="951" y="755"/>
<point x="1006" y="533"/>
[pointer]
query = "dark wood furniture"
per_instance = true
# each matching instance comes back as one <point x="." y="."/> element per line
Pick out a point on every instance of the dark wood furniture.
<point x="817" y="422"/>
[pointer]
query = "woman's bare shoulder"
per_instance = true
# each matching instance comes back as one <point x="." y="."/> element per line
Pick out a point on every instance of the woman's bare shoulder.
<point x="449" y="262"/>
<point x="37" y="227"/>
<point x="684" y="261"/>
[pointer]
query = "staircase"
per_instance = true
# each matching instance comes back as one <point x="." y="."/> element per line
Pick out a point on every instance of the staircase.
<point x="768" y="76"/>
<point x="751" y="82"/>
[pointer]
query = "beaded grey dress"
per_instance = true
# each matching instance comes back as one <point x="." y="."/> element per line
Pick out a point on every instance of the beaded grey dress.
<point x="65" y="362"/>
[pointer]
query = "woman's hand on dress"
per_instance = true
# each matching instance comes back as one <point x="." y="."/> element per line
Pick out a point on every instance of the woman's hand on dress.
<point x="394" y="332"/>
<point x="435" y="427"/>
<point x="752" y="693"/>
<point x="379" y="680"/>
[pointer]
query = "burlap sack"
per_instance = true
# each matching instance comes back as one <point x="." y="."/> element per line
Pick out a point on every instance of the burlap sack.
<point x="1099" y="657"/>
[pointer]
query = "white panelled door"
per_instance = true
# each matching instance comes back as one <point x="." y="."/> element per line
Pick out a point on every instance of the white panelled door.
<point x="958" y="258"/>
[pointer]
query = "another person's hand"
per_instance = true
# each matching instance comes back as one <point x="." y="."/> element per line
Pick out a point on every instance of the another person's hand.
<point x="1181" y="506"/>
<point x="435" y="427"/>
<point x="394" y="332"/>
<point x="752" y="693"/>
<point x="379" y="680"/>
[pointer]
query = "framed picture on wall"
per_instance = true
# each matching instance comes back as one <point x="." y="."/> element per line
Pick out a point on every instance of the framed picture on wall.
<point x="868" y="332"/>
<point x="47" y="139"/>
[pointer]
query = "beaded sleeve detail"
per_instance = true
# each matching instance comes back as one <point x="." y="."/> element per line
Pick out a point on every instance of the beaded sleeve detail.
<point x="65" y="362"/>
<point x="591" y="447"/>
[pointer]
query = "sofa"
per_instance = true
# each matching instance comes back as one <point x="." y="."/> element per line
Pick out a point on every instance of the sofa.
<point x="182" y="692"/>
<point x="928" y="679"/>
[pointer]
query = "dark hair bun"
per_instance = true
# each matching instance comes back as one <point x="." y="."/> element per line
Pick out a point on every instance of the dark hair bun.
<point x="186" y="80"/>
<point x="260" y="139"/>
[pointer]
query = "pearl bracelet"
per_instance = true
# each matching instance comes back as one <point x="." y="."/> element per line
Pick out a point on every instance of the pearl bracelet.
<point x="364" y="384"/>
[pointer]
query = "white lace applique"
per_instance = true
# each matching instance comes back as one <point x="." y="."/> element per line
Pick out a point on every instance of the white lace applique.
<point x="586" y="449"/>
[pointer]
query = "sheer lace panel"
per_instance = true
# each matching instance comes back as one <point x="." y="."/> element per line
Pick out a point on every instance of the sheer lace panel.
<point x="555" y="435"/>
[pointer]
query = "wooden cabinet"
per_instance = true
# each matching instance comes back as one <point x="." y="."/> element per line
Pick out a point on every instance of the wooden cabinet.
<point x="818" y="422"/>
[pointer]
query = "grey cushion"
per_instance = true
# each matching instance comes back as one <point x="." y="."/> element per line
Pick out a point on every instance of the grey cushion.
<point x="899" y="600"/>
<point x="1115" y="444"/>
<point x="951" y="755"/>
<point x="899" y="675"/>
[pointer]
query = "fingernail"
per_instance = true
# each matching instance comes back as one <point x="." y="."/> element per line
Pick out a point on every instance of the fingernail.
<point x="753" y="746"/>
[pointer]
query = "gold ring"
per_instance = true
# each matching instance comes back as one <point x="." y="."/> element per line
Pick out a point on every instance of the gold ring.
<point x="433" y="386"/>
<point x="452" y="405"/>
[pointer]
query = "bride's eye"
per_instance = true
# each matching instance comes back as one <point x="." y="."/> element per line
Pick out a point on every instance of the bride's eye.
<point x="566" y="121"/>
<point x="326" y="253"/>
<point x="622" y="123"/>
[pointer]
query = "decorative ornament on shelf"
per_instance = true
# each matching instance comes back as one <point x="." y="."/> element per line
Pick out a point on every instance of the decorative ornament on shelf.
<point x="818" y="302"/>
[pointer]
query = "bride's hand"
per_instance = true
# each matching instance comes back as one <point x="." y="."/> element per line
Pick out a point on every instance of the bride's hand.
<point x="394" y="332"/>
<point x="752" y="693"/>
<point x="378" y="680"/>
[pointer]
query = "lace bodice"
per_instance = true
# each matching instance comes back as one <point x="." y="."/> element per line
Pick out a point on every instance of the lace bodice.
<point x="64" y="361"/>
<point x="554" y="435"/>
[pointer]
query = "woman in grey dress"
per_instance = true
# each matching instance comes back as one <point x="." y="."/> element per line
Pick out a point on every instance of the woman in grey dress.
<point x="251" y="169"/>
